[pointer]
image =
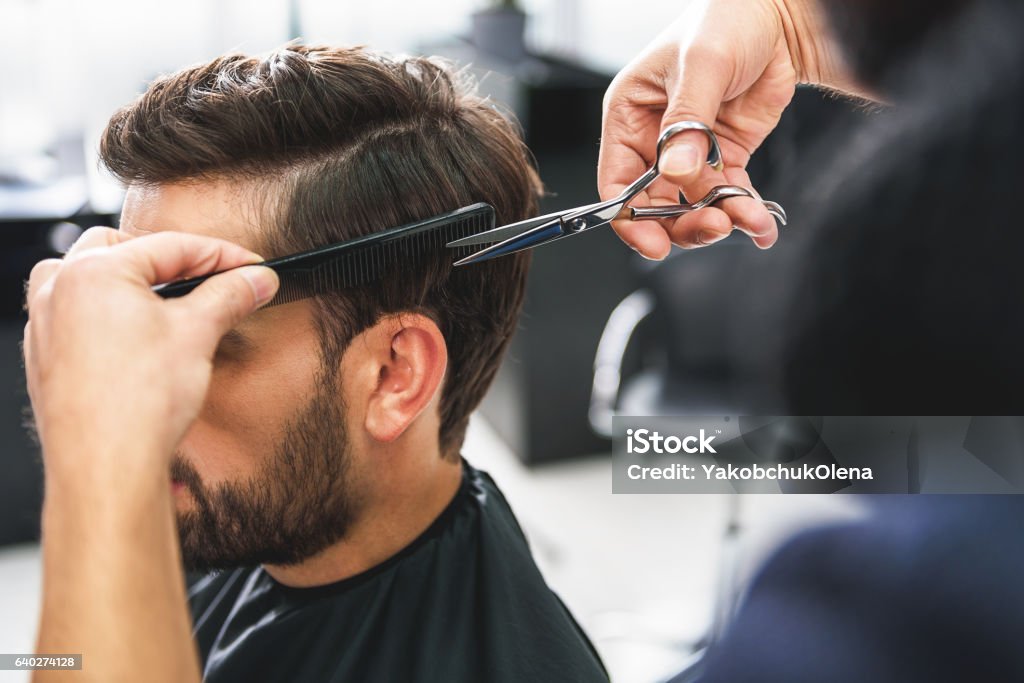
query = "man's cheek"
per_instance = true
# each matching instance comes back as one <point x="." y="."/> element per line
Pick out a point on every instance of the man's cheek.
<point x="241" y="401"/>
<point x="255" y="390"/>
<point x="240" y="424"/>
<point x="221" y="454"/>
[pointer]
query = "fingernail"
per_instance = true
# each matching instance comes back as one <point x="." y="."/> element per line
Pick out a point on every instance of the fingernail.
<point x="647" y="256"/>
<point x="706" y="237"/>
<point x="681" y="159"/>
<point x="263" y="281"/>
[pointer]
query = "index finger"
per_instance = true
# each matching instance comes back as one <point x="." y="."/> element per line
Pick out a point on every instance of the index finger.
<point x="628" y="141"/>
<point x="165" y="256"/>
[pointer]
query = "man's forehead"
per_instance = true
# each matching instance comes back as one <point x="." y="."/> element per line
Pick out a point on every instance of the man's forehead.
<point x="214" y="208"/>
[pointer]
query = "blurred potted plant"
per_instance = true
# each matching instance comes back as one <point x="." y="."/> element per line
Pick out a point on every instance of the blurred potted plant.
<point x="500" y="30"/>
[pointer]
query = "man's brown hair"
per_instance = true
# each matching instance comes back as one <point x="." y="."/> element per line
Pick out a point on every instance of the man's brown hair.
<point x="343" y="142"/>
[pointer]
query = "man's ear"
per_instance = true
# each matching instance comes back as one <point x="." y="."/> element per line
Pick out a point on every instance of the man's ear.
<point x="409" y="357"/>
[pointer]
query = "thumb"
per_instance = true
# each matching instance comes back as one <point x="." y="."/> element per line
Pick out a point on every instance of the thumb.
<point x="224" y="300"/>
<point x="697" y="96"/>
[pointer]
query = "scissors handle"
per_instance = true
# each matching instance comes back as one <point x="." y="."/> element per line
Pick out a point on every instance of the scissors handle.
<point x="716" y="194"/>
<point x="595" y="215"/>
<point x="641" y="183"/>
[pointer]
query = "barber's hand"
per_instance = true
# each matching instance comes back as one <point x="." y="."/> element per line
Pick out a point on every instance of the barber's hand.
<point x="112" y="367"/>
<point x="732" y="65"/>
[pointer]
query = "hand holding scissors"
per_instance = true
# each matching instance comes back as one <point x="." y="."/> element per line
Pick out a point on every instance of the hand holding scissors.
<point x="533" y="232"/>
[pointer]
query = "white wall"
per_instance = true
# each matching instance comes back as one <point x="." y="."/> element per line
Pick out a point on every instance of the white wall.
<point x="70" y="63"/>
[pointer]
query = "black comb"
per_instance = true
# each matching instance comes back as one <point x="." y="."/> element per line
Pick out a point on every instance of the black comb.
<point x="364" y="259"/>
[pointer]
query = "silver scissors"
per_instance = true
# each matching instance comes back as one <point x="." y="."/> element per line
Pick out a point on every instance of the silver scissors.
<point x="534" y="232"/>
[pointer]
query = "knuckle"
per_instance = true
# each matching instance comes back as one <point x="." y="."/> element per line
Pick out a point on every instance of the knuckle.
<point x="641" y="84"/>
<point x="42" y="272"/>
<point x="36" y="299"/>
<point x="79" y="271"/>
<point x="710" y="53"/>
<point x="609" y="98"/>
<point x="616" y="92"/>
<point x="85" y="265"/>
<point x="43" y="266"/>
<point x="96" y="230"/>
<point x="92" y="237"/>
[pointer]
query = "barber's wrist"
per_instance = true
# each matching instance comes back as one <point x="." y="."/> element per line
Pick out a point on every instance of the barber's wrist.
<point x="103" y="496"/>
<point x="814" y="51"/>
<point x="114" y="463"/>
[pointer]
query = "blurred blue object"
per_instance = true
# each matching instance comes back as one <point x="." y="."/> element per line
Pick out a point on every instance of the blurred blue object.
<point x="928" y="589"/>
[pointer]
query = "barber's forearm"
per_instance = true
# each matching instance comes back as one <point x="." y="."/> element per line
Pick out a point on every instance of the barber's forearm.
<point x="113" y="588"/>
<point x="112" y="394"/>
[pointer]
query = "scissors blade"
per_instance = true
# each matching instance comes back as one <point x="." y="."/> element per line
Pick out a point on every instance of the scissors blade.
<point x="540" y="234"/>
<point x="503" y="232"/>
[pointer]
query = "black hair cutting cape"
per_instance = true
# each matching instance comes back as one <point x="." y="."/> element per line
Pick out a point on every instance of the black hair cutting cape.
<point x="463" y="602"/>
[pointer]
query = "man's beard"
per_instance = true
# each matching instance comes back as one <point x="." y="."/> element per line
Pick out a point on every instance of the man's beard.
<point x="294" y="506"/>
